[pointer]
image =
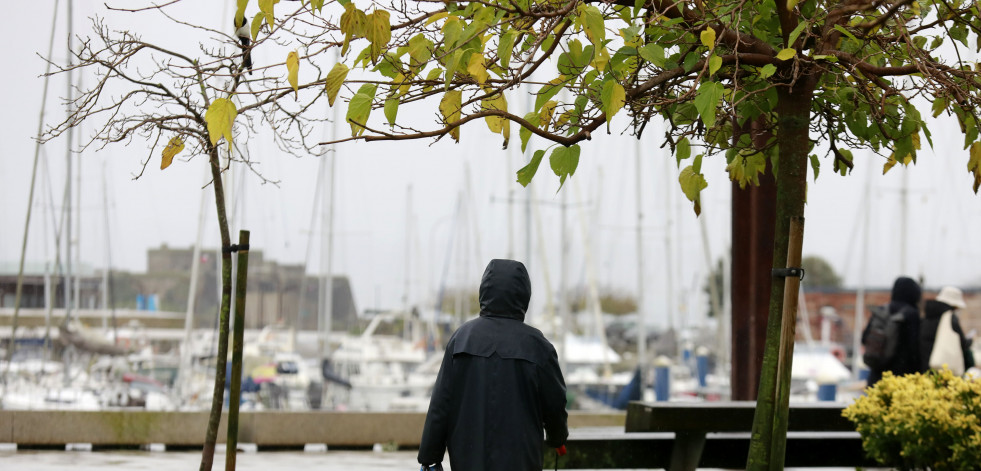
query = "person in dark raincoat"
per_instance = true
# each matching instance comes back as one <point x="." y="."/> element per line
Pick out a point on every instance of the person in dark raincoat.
<point x="905" y="299"/>
<point x="499" y="390"/>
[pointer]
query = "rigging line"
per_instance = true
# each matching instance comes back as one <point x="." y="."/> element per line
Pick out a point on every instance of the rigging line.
<point x="30" y="203"/>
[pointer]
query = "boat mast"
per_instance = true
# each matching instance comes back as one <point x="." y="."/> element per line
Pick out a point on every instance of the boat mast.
<point x="66" y="287"/>
<point x="30" y="203"/>
<point x="641" y="324"/>
<point x="327" y="239"/>
<point x="859" y="317"/>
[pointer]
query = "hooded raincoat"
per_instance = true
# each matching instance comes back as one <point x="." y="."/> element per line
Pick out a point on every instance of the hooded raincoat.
<point x="499" y="390"/>
<point x="905" y="299"/>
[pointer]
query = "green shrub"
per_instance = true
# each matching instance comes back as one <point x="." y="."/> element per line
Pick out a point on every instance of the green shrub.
<point x="926" y="421"/>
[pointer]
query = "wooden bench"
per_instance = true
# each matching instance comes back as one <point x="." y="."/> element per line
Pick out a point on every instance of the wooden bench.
<point x="684" y="436"/>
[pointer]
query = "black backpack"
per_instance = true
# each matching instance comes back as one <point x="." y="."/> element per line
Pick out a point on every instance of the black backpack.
<point x="881" y="337"/>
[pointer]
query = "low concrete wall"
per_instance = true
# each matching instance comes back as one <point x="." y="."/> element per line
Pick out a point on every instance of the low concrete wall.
<point x="265" y="429"/>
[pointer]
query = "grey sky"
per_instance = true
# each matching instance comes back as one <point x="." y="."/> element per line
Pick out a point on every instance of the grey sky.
<point x="162" y="207"/>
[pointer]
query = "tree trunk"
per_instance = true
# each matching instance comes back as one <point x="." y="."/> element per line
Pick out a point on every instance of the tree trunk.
<point x="208" y="455"/>
<point x="753" y="212"/>
<point x="235" y="389"/>
<point x="769" y="434"/>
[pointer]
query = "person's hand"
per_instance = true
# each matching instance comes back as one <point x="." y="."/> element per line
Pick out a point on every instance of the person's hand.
<point x="561" y="450"/>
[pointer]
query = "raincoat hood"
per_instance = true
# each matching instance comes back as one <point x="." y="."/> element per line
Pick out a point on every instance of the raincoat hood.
<point x="906" y="290"/>
<point x="505" y="290"/>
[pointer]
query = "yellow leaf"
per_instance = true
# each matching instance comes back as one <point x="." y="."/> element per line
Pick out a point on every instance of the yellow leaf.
<point x="267" y="8"/>
<point x="174" y="147"/>
<point x="449" y="107"/>
<point x="436" y="17"/>
<point x="889" y="164"/>
<point x="786" y="53"/>
<point x="601" y="59"/>
<point x="220" y="117"/>
<point x="708" y="38"/>
<point x="293" y="67"/>
<point x="545" y="114"/>
<point x="974" y="164"/>
<point x="497" y="124"/>
<point x="379" y="28"/>
<point x="792" y="3"/>
<point x="335" y="78"/>
<point x="477" y="69"/>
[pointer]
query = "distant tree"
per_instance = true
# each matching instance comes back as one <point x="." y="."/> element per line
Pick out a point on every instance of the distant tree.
<point x="718" y="277"/>
<point x="819" y="273"/>
<point x="611" y="302"/>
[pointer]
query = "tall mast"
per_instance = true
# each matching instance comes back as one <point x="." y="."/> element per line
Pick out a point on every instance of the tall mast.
<point x="67" y="286"/>
<point x="641" y="324"/>
<point x="30" y="204"/>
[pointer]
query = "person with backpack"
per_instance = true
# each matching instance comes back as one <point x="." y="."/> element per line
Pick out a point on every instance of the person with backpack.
<point x="899" y="351"/>
<point x="943" y="340"/>
<point x="499" y="395"/>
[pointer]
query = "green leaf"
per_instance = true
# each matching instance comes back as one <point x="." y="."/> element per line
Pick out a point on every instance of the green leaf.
<point x="939" y="105"/>
<point x="715" y="62"/>
<point x="795" y="33"/>
<point x="564" y="161"/>
<point x="767" y="71"/>
<point x="317" y="5"/>
<point x="593" y="23"/>
<point x="696" y="164"/>
<point x="692" y="184"/>
<point x="391" y="109"/>
<point x="682" y="150"/>
<point x="844" y="31"/>
<point x="652" y="53"/>
<point x="449" y="107"/>
<point x="528" y="171"/>
<point x="839" y="167"/>
<point x="787" y="53"/>
<point x="613" y="98"/>
<point x="335" y="79"/>
<point x="219" y="118"/>
<point x="432" y="77"/>
<point x="815" y="165"/>
<point x="504" y="47"/>
<point x="452" y="63"/>
<point x="791" y="4"/>
<point x="256" y="25"/>
<point x="525" y="133"/>
<point x="707" y="100"/>
<point x="240" y="13"/>
<point x="420" y="49"/>
<point x="548" y="91"/>
<point x="707" y="37"/>
<point x="974" y="164"/>
<point x="452" y="30"/>
<point x="359" y="109"/>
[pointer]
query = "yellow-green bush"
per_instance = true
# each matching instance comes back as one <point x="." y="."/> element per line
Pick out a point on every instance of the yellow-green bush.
<point x="921" y="421"/>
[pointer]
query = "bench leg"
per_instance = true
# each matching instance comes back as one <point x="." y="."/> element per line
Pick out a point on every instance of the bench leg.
<point x="687" y="450"/>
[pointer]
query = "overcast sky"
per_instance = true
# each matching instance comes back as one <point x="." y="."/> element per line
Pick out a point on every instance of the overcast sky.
<point x="388" y="192"/>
